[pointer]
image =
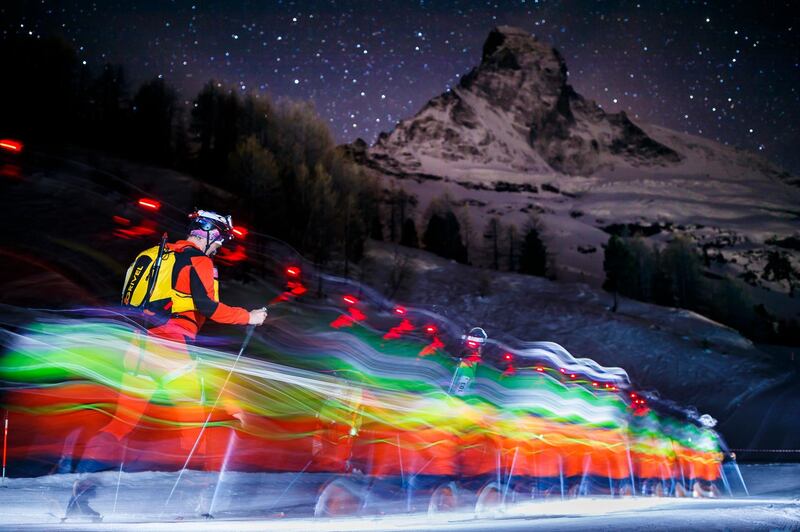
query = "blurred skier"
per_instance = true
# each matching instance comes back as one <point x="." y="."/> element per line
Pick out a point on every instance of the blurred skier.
<point x="83" y="490"/>
<point x="175" y="286"/>
<point x="474" y="342"/>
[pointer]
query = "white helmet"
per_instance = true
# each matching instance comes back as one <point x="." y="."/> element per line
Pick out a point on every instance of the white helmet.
<point x="475" y="338"/>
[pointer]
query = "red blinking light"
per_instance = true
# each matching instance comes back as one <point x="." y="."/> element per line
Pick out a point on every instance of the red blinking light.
<point x="240" y="232"/>
<point x="595" y="384"/>
<point x="150" y="204"/>
<point x="562" y="370"/>
<point x="572" y="375"/>
<point x="472" y="344"/>
<point x="350" y="300"/>
<point x="633" y="395"/>
<point x="293" y="271"/>
<point x="539" y="369"/>
<point x="400" y="311"/>
<point x="430" y="329"/>
<point x="507" y="356"/>
<point x="11" y="145"/>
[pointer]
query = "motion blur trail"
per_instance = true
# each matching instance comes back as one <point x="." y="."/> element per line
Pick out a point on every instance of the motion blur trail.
<point x="352" y="399"/>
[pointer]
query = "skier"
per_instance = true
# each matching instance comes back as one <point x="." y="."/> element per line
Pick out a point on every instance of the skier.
<point x="179" y="298"/>
<point x="175" y="286"/>
<point x="474" y="342"/>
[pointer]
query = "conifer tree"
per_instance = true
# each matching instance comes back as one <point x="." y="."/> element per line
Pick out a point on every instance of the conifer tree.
<point x="533" y="253"/>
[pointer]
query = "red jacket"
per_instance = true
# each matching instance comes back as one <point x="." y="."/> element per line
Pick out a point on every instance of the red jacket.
<point x="194" y="274"/>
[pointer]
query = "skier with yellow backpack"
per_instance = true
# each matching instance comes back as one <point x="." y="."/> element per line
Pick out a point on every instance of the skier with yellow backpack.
<point x="175" y="287"/>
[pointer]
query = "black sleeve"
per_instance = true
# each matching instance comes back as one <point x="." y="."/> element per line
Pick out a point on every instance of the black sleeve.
<point x="204" y="304"/>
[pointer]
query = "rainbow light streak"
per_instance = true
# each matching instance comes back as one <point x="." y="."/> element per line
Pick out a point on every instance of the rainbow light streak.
<point x="321" y="400"/>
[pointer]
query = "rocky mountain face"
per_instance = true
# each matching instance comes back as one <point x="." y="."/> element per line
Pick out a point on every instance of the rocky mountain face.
<point x="517" y="109"/>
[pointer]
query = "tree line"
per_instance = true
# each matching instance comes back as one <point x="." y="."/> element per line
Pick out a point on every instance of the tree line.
<point x="278" y="159"/>
<point x="676" y="276"/>
<point x="450" y="233"/>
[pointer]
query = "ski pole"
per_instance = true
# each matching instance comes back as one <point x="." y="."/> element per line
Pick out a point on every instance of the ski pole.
<point x="247" y="336"/>
<point x="5" y="446"/>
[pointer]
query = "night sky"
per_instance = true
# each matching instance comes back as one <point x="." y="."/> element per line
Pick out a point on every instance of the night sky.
<point x="724" y="70"/>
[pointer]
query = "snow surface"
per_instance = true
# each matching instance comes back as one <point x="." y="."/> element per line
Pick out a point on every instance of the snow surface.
<point x="247" y="501"/>
<point x="710" y="208"/>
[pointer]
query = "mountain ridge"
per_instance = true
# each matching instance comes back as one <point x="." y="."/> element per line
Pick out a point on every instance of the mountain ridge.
<point x="516" y="110"/>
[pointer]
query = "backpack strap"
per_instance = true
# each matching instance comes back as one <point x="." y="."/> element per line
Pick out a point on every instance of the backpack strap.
<point x="151" y="284"/>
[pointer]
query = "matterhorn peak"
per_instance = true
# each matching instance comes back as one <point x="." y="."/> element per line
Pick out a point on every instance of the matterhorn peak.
<point x="516" y="110"/>
<point x="513" y="48"/>
<point x="518" y="73"/>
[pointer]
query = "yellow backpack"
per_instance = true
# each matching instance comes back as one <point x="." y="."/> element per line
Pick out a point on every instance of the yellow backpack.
<point x="148" y="283"/>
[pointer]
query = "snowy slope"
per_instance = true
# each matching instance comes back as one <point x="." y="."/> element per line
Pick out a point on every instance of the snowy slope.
<point x="680" y="354"/>
<point x="247" y="501"/>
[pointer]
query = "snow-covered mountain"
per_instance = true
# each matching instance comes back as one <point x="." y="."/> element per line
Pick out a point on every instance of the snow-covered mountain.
<point x="514" y="138"/>
<point x="516" y="112"/>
